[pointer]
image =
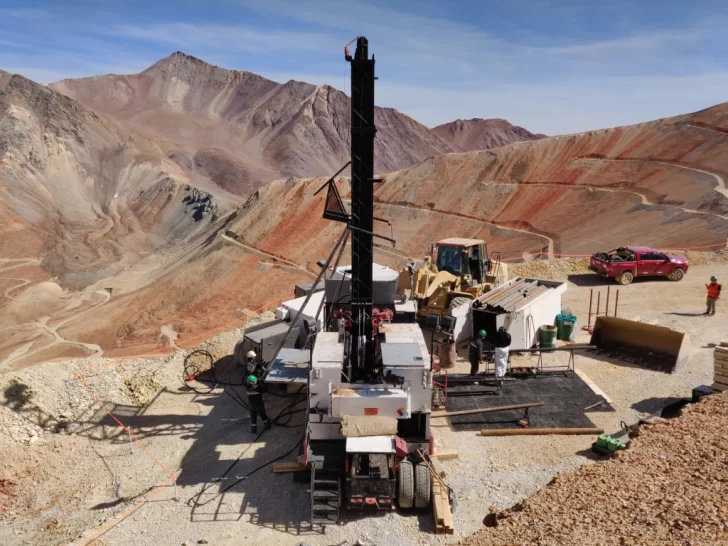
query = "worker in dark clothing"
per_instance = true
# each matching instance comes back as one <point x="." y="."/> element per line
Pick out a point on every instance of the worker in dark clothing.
<point x="255" y="403"/>
<point x="502" y="348"/>
<point x="476" y="352"/>
<point x="713" y="294"/>
<point x="254" y="390"/>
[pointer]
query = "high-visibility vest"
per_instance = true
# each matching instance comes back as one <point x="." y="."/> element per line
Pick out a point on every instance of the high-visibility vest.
<point x="713" y="290"/>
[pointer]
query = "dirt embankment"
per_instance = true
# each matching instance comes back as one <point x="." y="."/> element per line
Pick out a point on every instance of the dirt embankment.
<point x="668" y="488"/>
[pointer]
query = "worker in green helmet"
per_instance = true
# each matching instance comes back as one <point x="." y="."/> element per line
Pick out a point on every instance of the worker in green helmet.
<point x="255" y="403"/>
<point x="476" y="351"/>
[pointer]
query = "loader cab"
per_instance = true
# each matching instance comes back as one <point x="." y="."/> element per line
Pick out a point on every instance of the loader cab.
<point x="463" y="257"/>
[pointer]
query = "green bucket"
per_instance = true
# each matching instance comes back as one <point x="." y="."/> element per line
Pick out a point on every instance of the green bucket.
<point x="547" y="336"/>
<point x="565" y="326"/>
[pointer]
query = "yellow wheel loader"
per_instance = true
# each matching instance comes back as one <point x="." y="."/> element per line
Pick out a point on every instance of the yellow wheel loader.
<point x="456" y="272"/>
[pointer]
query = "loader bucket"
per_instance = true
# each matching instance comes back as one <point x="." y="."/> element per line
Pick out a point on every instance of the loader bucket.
<point x="654" y="347"/>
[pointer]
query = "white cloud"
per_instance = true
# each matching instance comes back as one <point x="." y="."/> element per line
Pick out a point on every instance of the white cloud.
<point x="224" y="37"/>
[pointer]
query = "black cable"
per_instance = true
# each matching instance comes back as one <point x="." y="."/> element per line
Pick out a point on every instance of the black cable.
<point x="237" y="460"/>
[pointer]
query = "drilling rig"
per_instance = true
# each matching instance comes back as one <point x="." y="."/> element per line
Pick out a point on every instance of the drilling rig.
<point x="370" y="376"/>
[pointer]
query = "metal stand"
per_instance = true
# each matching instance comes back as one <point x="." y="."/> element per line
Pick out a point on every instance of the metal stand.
<point x="570" y="366"/>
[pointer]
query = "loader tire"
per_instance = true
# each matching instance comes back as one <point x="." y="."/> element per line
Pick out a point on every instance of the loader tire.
<point x="422" y="486"/>
<point x="677" y="275"/>
<point x="458" y="301"/>
<point x="405" y="484"/>
<point x="625" y="278"/>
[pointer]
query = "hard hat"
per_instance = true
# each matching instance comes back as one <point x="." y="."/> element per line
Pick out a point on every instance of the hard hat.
<point x="482" y="333"/>
<point x="251" y="354"/>
<point x="252" y="379"/>
<point x="713" y="278"/>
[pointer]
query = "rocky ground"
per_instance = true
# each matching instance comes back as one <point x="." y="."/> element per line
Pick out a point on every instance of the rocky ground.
<point x="668" y="488"/>
<point x="72" y="475"/>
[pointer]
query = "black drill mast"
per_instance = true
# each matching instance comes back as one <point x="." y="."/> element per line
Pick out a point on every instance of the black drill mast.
<point x="363" y="132"/>
<point x="360" y="220"/>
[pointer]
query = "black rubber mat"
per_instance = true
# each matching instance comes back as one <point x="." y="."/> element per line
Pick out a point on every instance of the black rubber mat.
<point x="564" y="394"/>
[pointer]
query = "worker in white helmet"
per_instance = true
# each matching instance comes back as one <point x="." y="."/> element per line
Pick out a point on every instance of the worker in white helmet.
<point x="253" y="388"/>
<point x="250" y="365"/>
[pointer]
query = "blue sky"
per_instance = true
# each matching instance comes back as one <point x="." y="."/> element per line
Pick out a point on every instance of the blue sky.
<point x="556" y="67"/>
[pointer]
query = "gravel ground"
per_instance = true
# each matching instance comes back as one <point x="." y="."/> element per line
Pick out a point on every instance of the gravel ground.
<point x="73" y="472"/>
<point x="668" y="488"/>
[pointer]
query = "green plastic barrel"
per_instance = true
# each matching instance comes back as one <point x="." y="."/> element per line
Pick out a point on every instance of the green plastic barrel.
<point x="565" y="326"/>
<point x="547" y="336"/>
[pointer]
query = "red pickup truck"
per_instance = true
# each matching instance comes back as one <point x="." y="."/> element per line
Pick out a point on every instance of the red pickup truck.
<point x="624" y="264"/>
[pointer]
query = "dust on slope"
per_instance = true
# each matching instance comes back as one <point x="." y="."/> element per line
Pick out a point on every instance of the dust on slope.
<point x="668" y="488"/>
<point x="271" y="130"/>
<point x="467" y="135"/>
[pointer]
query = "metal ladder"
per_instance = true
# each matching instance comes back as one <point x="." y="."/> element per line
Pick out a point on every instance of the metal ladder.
<point x="325" y="496"/>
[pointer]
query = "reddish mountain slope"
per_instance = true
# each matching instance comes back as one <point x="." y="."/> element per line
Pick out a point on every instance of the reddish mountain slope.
<point x="659" y="183"/>
<point x="467" y="135"/>
<point x="268" y="130"/>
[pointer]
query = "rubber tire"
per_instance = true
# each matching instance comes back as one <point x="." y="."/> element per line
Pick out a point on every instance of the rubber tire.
<point x="422" y="486"/>
<point x="625" y="278"/>
<point x="677" y="274"/>
<point x="405" y="484"/>
<point x="458" y="301"/>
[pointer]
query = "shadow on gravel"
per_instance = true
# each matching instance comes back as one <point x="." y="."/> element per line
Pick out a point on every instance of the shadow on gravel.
<point x="589" y="279"/>
<point x="687" y="315"/>
<point x="653" y="405"/>
<point x="592" y="279"/>
<point x="229" y="469"/>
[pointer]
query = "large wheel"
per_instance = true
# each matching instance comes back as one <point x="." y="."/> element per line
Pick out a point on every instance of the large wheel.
<point x="625" y="278"/>
<point x="405" y="484"/>
<point x="422" y="486"/>
<point x="458" y="301"/>
<point x="677" y="275"/>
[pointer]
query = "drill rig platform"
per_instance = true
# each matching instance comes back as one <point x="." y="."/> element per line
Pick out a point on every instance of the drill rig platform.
<point x="371" y="361"/>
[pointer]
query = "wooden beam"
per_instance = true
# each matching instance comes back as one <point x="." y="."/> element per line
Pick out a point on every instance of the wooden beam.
<point x="435" y="414"/>
<point x="288" y="467"/>
<point x="540" y="431"/>
<point x="446" y="455"/>
<point x="437" y="466"/>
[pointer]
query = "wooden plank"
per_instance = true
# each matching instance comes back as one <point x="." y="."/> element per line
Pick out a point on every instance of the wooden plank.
<point x="720" y="357"/>
<point x="719" y="387"/>
<point x="288" y="467"/>
<point x="539" y="431"/>
<point x="441" y="509"/>
<point x="437" y="465"/>
<point x="723" y="350"/>
<point x="435" y="414"/>
<point x="724" y="344"/>
<point x="446" y="455"/>
<point x="720" y="378"/>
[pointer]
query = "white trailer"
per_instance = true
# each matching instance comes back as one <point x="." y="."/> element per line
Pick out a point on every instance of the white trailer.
<point x="522" y="306"/>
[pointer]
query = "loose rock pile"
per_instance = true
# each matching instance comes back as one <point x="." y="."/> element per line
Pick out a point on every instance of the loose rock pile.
<point x="669" y="488"/>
